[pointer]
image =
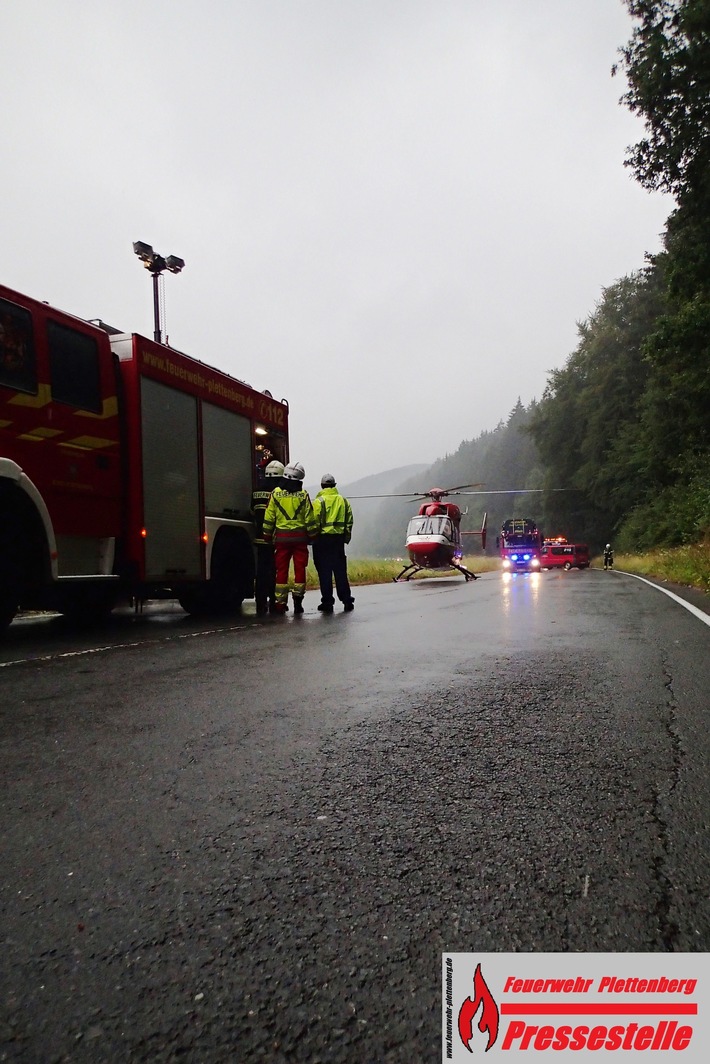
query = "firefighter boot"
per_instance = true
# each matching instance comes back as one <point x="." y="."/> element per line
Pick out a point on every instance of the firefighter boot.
<point x="298" y="603"/>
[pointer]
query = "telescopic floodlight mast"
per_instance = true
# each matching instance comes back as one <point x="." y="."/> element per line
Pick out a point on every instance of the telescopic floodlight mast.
<point x="156" y="264"/>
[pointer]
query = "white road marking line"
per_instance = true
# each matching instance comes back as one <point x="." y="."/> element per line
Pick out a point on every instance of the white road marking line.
<point x="120" y="646"/>
<point x="704" y="617"/>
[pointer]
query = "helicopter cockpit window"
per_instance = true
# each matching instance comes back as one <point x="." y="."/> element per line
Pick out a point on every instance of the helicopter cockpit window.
<point x="445" y="527"/>
<point x="431" y="526"/>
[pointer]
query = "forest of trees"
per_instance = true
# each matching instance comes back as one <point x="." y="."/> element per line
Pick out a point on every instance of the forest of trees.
<point x="624" y="426"/>
<point x="633" y="401"/>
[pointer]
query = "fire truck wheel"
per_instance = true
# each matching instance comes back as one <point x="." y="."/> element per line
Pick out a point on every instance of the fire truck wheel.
<point x="567" y="566"/>
<point x="9" y="593"/>
<point x="88" y="606"/>
<point x="7" y="610"/>
<point x="232" y="572"/>
<point x="193" y="603"/>
<point x="9" y="577"/>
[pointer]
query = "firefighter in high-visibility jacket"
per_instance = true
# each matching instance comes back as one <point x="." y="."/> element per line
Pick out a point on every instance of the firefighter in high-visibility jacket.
<point x="290" y="524"/>
<point x="264" y="585"/>
<point x="335" y="527"/>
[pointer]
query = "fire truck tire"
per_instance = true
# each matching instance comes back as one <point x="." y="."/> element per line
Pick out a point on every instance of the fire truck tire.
<point x="8" y="609"/>
<point x="232" y="577"/>
<point x="10" y="574"/>
<point x="9" y="586"/>
<point x="567" y="567"/>
<point x="192" y="603"/>
<point x="88" y="606"/>
<point x="231" y="581"/>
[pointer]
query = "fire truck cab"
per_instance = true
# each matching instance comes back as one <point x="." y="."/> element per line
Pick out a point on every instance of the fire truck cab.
<point x="126" y="468"/>
<point x="519" y="545"/>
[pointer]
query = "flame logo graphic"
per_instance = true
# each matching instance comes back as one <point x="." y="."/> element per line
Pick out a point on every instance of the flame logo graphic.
<point x="489" y="1015"/>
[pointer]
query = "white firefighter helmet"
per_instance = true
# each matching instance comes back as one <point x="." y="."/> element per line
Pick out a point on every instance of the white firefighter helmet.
<point x="274" y="469"/>
<point x="294" y="471"/>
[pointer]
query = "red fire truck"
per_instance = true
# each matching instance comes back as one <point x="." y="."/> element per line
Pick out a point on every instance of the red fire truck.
<point x="519" y="543"/>
<point x="126" y="468"/>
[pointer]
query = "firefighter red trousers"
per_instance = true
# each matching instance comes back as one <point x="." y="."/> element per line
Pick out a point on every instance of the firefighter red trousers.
<point x="283" y="553"/>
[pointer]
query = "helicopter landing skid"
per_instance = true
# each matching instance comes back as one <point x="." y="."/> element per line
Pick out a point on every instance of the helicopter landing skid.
<point x="416" y="569"/>
<point x="466" y="573"/>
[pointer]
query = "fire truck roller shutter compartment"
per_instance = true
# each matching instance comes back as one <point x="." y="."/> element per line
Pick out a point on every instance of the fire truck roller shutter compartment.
<point x="227" y="456"/>
<point x="171" y="488"/>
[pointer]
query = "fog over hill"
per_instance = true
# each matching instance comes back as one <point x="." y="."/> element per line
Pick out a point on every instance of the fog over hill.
<point x="365" y="511"/>
<point x="504" y="460"/>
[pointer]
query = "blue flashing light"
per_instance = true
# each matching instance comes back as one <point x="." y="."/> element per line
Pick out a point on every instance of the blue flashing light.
<point x="514" y="557"/>
<point x="526" y="557"/>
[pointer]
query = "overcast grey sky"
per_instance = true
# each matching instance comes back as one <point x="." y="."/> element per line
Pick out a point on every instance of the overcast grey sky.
<point x="393" y="212"/>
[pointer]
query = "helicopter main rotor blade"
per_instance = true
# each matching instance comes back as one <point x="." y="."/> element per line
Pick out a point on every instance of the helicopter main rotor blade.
<point x="447" y="491"/>
<point x="389" y="495"/>
<point x="433" y="492"/>
<point x="514" y="491"/>
<point x="413" y="495"/>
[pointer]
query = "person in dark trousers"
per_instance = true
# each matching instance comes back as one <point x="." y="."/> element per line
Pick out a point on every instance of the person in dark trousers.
<point x="265" y="584"/>
<point x="608" y="557"/>
<point x="334" y="516"/>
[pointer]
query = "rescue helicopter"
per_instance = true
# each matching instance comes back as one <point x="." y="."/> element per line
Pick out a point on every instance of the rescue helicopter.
<point x="434" y="539"/>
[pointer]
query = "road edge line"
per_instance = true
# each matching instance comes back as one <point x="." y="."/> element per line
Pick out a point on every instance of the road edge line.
<point x="704" y="617"/>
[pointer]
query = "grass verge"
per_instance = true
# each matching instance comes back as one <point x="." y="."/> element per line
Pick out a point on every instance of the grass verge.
<point x="688" y="565"/>
<point x="384" y="570"/>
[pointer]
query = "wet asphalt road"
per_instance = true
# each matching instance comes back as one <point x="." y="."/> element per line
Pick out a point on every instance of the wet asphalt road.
<point x="253" y="841"/>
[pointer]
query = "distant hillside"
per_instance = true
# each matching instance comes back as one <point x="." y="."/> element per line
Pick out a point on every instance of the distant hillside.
<point x="365" y="510"/>
<point x="501" y="460"/>
<point x="381" y="483"/>
<point x="376" y="518"/>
